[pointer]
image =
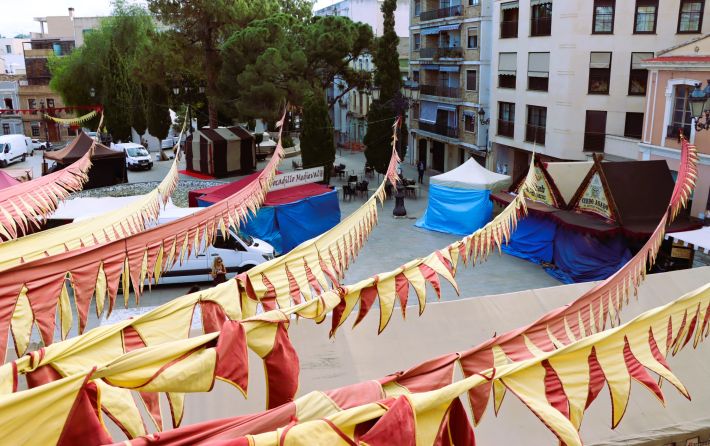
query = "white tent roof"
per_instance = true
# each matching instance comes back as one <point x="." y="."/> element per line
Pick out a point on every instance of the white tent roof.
<point x="568" y="176"/>
<point x="81" y="208"/>
<point x="471" y="175"/>
<point x="700" y="238"/>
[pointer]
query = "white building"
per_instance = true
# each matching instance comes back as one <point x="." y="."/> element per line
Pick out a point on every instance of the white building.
<point x="12" y="60"/>
<point x="567" y="76"/>
<point x="10" y="123"/>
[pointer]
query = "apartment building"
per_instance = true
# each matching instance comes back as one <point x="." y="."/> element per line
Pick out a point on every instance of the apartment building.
<point x="10" y="120"/>
<point x="450" y="64"/>
<point x="11" y="60"/>
<point x="569" y="78"/>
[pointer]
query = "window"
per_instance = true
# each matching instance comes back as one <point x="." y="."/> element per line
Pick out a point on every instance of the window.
<point x="599" y="73"/>
<point x="415" y="76"/>
<point x="472" y="37"/>
<point x="471" y="80"/>
<point x="473" y="2"/>
<point x="645" y="17"/>
<point x="594" y="131"/>
<point x="538" y="71"/>
<point x="506" y="119"/>
<point x="638" y="75"/>
<point x="6" y="129"/>
<point x="681" y="119"/>
<point x="8" y="104"/>
<point x="229" y="243"/>
<point x="35" y="129"/>
<point x="603" y="17"/>
<point x="469" y="121"/>
<point x="417" y="7"/>
<point x="540" y="17"/>
<point x="633" y="125"/>
<point x="508" y="20"/>
<point x="8" y="50"/>
<point x="32" y="105"/>
<point x="535" y="128"/>
<point x="507" y="68"/>
<point x="690" y="17"/>
<point x="417" y="41"/>
<point x="50" y="103"/>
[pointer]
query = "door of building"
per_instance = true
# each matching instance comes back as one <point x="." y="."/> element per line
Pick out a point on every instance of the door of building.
<point x="422" y="152"/>
<point x="53" y="131"/>
<point x="521" y="163"/>
<point x="438" y="154"/>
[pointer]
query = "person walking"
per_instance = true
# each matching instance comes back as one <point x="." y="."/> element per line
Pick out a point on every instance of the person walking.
<point x="420" y="170"/>
<point x="219" y="272"/>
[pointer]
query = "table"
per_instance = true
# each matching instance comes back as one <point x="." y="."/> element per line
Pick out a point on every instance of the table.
<point x="413" y="189"/>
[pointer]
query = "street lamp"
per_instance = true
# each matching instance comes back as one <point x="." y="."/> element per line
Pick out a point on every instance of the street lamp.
<point x="482" y="117"/>
<point x="92" y="92"/>
<point x="375" y="92"/>
<point x="46" y="126"/>
<point x="699" y="100"/>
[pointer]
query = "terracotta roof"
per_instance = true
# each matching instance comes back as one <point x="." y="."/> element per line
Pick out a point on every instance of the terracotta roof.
<point x="677" y="59"/>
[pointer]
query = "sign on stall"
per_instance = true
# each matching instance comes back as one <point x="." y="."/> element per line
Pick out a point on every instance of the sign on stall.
<point x="297" y="178"/>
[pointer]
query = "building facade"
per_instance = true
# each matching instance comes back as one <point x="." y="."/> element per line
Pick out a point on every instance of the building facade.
<point x="450" y="64"/>
<point x="568" y="76"/>
<point x="11" y="58"/>
<point x="10" y="122"/>
<point x="673" y="75"/>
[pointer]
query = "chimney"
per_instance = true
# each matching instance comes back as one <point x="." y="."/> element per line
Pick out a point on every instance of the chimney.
<point x="71" y="13"/>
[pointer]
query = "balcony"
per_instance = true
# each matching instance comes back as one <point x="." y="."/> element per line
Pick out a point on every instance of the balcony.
<point x="541" y="26"/>
<point x="441" y="52"/>
<point x="439" y="129"/>
<point x="535" y="134"/>
<point x="508" y="30"/>
<point x="506" y="128"/>
<point x="441" y="13"/>
<point x="440" y="90"/>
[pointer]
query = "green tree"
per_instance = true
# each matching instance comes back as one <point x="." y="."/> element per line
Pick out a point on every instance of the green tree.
<point x="317" y="144"/>
<point x="383" y="112"/>
<point x="112" y="62"/>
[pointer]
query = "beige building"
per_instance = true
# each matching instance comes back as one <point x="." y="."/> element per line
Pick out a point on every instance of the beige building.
<point x="568" y="76"/>
<point x="673" y="75"/>
<point x="450" y="62"/>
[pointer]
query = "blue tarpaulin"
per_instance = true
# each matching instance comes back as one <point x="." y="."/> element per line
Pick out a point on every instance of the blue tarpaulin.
<point x="533" y="239"/>
<point x="456" y="211"/>
<point x="583" y="257"/>
<point x="284" y="226"/>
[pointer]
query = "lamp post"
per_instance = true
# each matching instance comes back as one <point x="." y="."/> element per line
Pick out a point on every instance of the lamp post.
<point x="699" y="100"/>
<point x="42" y="111"/>
<point x="176" y="92"/>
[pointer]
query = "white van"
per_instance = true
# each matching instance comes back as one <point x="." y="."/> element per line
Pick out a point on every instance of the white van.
<point x="239" y="251"/>
<point x="12" y="148"/>
<point x="137" y="157"/>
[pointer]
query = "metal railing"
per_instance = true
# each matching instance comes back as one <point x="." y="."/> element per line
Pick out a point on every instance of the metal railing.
<point x="535" y="134"/>
<point x="508" y="29"/>
<point x="440" y="90"/>
<point x="440" y="52"/>
<point x="506" y="128"/>
<point x="441" y="13"/>
<point x="541" y="26"/>
<point x="439" y="129"/>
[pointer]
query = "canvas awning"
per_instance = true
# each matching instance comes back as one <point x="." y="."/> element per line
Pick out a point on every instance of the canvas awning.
<point x="699" y="239"/>
<point x="78" y="147"/>
<point x="449" y="68"/>
<point x="471" y="175"/>
<point x="450" y="27"/>
<point x="429" y="31"/>
<point x="427" y="111"/>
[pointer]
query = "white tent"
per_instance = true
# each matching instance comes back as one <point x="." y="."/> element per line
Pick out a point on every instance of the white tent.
<point x="471" y="175"/>
<point x="700" y="238"/>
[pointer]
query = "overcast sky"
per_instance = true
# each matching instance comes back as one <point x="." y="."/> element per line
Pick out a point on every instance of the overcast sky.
<point x="17" y="15"/>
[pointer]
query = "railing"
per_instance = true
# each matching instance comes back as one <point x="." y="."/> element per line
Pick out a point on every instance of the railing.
<point x="535" y="134"/>
<point x="440" y="52"/>
<point x="674" y="131"/>
<point x="541" y="26"/>
<point x="506" y="128"/>
<point x="594" y="142"/>
<point x="508" y="29"/>
<point x="441" y="13"/>
<point x="439" y="129"/>
<point x="440" y="90"/>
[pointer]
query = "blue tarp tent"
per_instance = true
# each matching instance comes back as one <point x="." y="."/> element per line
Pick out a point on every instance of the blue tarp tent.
<point x="533" y="239"/>
<point x="581" y="257"/>
<point x="459" y="199"/>
<point x="288" y="217"/>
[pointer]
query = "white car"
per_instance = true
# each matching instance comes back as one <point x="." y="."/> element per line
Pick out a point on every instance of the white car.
<point x="137" y="157"/>
<point x="39" y="144"/>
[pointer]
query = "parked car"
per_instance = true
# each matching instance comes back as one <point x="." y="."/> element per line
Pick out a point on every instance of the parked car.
<point x="12" y="148"/>
<point x="38" y="144"/>
<point x="137" y="157"/>
<point x="167" y="143"/>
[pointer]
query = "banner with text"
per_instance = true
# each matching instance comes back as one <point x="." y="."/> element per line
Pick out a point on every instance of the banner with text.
<point x="297" y="178"/>
<point x="594" y="199"/>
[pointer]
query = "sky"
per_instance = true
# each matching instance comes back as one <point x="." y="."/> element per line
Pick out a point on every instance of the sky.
<point x="17" y="15"/>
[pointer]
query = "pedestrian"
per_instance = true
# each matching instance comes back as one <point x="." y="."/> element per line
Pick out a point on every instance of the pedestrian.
<point x="420" y="170"/>
<point x="219" y="272"/>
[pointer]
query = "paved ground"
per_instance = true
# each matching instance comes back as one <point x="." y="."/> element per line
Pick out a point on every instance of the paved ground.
<point x="393" y="242"/>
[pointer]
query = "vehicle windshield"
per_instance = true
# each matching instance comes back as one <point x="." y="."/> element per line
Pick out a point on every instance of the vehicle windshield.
<point x="246" y="238"/>
<point x="136" y="151"/>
